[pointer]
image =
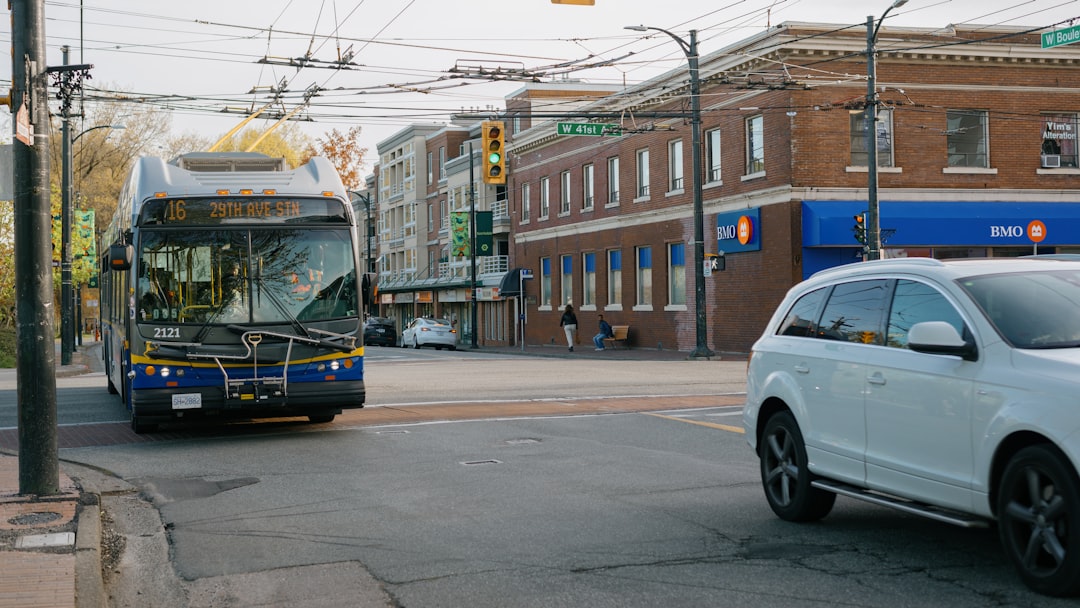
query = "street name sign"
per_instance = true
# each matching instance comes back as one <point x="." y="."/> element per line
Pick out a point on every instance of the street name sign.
<point x="1059" y="37"/>
<point x="588" y="128"/>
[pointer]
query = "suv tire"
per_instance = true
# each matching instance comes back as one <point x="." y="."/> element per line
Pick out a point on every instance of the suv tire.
<point x="784" y="473"/>
<point x="1037" y="507"/>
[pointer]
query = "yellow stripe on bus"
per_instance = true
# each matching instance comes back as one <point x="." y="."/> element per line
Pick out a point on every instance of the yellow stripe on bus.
<point x="140" y="359"/>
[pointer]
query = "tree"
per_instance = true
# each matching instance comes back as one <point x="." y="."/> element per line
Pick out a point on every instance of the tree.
<point x="286" y="141"/>
<point x="102" y="158"/>
<point x="7" y="264"/>
<point x="344" y="152"/>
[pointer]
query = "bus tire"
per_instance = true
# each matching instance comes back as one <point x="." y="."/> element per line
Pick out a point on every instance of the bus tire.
<point x="140" y="426"/>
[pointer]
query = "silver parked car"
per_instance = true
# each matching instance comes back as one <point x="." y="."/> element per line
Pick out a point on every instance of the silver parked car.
<point x="423" y="331"/>
<point x="945" y="389"/>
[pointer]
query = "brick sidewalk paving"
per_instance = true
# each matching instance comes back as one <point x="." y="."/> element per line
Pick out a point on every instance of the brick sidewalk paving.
<point x="32" y="575"/>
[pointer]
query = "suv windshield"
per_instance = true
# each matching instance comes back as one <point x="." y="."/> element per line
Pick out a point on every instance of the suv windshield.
<point x="1031" y="310"/>
<point x="242" y="276"/>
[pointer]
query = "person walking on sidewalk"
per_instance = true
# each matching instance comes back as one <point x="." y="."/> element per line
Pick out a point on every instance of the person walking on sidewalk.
<point x="569" y="324"/>
<point x="605" y="332"/>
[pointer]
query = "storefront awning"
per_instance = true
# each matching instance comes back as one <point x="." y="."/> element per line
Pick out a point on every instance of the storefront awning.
<point x="938" y="224"/>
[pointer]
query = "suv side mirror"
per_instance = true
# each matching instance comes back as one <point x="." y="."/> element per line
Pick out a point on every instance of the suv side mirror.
<point x="940" y="338"/>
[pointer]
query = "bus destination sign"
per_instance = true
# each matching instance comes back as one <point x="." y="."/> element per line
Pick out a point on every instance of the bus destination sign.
<point x="232" y="210"/>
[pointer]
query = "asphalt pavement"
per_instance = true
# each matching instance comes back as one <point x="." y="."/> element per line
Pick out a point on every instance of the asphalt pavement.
<point x="51" y="545"/>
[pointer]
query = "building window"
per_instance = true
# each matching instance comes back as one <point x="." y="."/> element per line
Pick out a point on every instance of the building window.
<point x="430" y="216"/>
<point x="614" y="277"/>
<point x="1059" y="134"/>
<point x="644" y="276"/>
<point x="675" y="165"/>
<point x="712" y="151"/>
<point x="545" y="283"/>
<point x="588" y="282"/>
<point x="442" y="163"/>
<point x="643" y="173"/>
<point x="525" y="202"/>
<point x="443" y="217"/>
<point x="755" y="145"/>
<point x="967" y="138"/>
<point x="545" y="200"/>
<point x="564" y="206"/>
<point x="430" y="168"/>
<point x="613" y="180"/>
<point x="587" y="187"/>
<point x="567" y="278"/>
<point x="859" y="135"/>
<point x="677" y="274"/>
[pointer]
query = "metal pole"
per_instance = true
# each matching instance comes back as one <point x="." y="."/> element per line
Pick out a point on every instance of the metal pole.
<point x="701" y="321"/>
<point x="472" y="245"/>
<point x="873" y="215"/>
<point x="701" y="326"/>
<point x="369" y="233"/>
<point x="78" y="315"/>
<point x="67" y="335"/>
<point x="39" y="470"/>
<point x="873" y="227"/>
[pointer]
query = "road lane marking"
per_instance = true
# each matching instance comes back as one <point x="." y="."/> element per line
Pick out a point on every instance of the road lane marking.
<point x="712" y="425"/>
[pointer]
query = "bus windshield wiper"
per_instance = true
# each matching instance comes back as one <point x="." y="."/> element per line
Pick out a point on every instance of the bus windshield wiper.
<point x="296" y="324"/>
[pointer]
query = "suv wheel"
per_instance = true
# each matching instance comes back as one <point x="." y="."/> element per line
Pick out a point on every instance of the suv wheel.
<point x="784" y="473"/>
<point x="1037" y="508"/>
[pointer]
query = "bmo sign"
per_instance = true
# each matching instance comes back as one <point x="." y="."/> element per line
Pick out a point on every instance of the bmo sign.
<point x="739" y="231"/>
<point x="1035" y="231"/>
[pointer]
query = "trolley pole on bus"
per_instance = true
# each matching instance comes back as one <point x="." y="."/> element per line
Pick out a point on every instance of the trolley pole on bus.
<point x="39" y="466"/>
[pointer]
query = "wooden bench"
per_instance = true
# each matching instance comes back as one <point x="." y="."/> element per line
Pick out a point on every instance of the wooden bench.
<point x="622" y="334"/>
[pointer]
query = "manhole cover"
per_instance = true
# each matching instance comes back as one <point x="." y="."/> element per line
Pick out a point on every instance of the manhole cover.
<point x="36" y="518"/>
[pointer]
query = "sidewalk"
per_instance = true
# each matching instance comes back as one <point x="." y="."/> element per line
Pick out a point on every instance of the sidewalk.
<point x="50" y="545"/>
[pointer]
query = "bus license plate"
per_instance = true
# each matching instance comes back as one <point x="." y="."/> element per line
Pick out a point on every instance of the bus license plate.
<point x="187" y="401"/>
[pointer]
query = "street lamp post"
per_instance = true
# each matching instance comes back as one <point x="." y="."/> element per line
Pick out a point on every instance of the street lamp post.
<point x="691" y="50"/>
<point x="368" y="233"/>
<point x="67" y="296"/>
<point x="873" y="217"/>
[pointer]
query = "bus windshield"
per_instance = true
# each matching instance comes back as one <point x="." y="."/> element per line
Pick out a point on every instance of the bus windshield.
<point x="267" y="275"/>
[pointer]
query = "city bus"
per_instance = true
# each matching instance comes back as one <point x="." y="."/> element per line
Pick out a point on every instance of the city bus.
<point x="230" y="288"/>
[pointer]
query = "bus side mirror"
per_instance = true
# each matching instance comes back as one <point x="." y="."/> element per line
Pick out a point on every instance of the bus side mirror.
<point x="369" y="289"/>
<point x="121" y="256"/>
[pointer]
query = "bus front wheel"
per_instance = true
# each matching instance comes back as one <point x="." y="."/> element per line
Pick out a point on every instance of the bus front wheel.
<point x="140" y="426"/>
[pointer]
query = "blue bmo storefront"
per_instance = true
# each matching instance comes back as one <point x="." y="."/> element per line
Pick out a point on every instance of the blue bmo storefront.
<point x="939" y="229"/>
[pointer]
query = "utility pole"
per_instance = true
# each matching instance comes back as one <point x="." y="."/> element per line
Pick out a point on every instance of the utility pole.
<point x="67" y="337"/>
<point x="472" y="245"/>
<point x="68" y="79"/>
<point x="39" y="468"/>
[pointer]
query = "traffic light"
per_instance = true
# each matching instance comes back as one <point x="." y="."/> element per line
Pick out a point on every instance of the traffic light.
<point x="494" y="153"/>
<point x="860" y="229"/>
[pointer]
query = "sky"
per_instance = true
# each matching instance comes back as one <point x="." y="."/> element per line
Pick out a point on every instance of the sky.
<point x="211" y="62"/>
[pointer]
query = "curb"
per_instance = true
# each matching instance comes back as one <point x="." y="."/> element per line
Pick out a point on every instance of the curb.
<point x="93" y="484"/>
<point x="89" y="582"/>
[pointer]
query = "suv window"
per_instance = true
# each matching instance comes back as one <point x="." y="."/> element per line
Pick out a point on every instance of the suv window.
<point x="915" y="302"/>
<point x="854" y="312"/>
<point x="801" y="320"/>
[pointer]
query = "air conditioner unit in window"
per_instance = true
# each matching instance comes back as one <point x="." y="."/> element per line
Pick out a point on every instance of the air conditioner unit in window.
<point x="1051" y="160"/>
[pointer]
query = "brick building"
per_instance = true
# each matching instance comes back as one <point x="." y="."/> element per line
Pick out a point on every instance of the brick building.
<point x="977" y="139"/>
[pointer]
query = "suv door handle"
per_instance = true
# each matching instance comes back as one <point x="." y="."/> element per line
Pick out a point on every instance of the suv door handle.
<point x="877" y="378"/>
<point x="802" y="368"/>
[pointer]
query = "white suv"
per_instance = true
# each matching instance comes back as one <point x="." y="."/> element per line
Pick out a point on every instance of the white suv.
<point x="946" y="389"/>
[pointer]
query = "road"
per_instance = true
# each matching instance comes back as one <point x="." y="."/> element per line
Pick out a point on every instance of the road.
<point x="563" y="508"/>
